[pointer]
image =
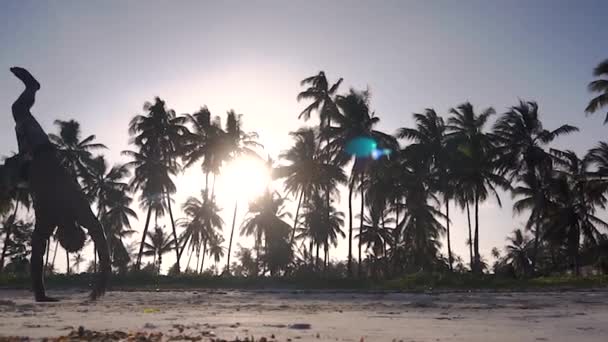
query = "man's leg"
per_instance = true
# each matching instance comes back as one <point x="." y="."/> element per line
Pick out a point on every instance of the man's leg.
<point x="39" y="241"/>
<point x="27" y="98"/>
<point x="87" y="219"/>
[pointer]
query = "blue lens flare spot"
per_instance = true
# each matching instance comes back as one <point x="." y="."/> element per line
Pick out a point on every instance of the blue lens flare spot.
<point x="361" y="147"/>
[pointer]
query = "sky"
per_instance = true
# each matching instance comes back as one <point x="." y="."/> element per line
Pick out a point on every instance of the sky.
<point x="98" y="63"/>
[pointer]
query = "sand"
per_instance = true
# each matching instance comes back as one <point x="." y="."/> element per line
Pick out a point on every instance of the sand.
<point x="314" y="315"/>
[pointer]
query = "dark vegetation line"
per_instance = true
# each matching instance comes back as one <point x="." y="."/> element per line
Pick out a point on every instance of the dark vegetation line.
<point x="400" y="187"/>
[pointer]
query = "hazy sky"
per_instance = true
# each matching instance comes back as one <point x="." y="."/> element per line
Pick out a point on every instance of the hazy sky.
<point x="98" y="62"/>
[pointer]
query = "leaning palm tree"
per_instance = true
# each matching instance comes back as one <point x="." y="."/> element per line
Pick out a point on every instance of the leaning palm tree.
<point x="157" y="245"/>
<point x="599" y="86"/>
<point x="520" y="140"/>
<point x="160" y="134"/>
<point x="476" y="165"/>
<point x="74" y="153"/>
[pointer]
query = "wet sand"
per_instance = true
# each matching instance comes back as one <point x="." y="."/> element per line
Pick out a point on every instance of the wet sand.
<point x="315" y="316"/>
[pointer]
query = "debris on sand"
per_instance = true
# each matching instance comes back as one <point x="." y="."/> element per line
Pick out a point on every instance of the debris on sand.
<point x="300" y="326"/>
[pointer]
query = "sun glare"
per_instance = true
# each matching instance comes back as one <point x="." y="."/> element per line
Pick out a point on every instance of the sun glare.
<point x="245" y="178"/>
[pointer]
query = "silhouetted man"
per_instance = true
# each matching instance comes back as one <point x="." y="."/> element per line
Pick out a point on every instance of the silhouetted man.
<point x="58" y="199"/>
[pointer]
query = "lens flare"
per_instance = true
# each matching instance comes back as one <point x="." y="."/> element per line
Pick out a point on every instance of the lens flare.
<point x="366" y="147"/>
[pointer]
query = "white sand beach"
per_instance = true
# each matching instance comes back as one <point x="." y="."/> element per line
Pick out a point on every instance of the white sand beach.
<point x="318" y="316"/>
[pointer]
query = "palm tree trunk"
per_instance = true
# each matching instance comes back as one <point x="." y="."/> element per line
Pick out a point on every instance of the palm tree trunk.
<point x="181" y="252"/>
<point x="160" y="260"/>
<point x="189" y="258"/>
<point x="48" y="252"/>
<point x="325" y="251"/>
<point x="177" y="253"/>
<point x="536" y="243"/>
<point x="317" y="258"/>
<point x="350" y="228"/>
<point x="477" y="256"/>
<point x="198" y="258"/>
<point x="471" y="261"/>
<point x="213" y="186"/>
<point x="295" y="220"/>
<point x="55" y="254"/>
<point x="143" y="239"/>
<point x="360" y="268"/>
<point x="447" y="220"/>
<point x="67" y="262"/>
<point x="207" y="185"/>
<point x="231" y="236"/>
<point x="8" y="236"/>
<point x="203" y="259"/>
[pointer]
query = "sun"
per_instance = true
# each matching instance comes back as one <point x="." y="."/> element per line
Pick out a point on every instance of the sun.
<point x="245" y="178"/>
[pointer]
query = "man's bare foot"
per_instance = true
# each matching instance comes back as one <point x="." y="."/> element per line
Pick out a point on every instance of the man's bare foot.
<point x="26" y="77"/>
<point x="46" y="299"/>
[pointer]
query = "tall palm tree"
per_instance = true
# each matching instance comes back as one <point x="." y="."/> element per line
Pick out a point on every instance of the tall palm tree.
<point x="430" y="145"/>
<point x="157" y="245"/>
<point x="599" y="86"/>
<point x="160" y="135"/>
<point x="356" y="121"/>
<point x="477" y="162"/>
<point x="153" y="179"/>
<point x="76" y="154"/>
<point x="520" y="140"/>
<point x="202" y="224"/>
<point x="308" y="172"/>
<point x="236" y="143"/>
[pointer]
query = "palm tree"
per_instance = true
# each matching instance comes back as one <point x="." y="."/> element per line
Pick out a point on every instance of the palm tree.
<point x="153" y="179"/>
<point x="265" y="215"/>
<point x="356" y="121"/>
<point x="74" y="152"/>
<point x="322" y="97"/>
<point x="236" y="143"/>
<point x="202" y="224"/>
<point x="12" y="197"/>
<point x="430" y="145"/>
<point x="518" y="252"/>
<point x="204" y="142"/>
<point x="216" y="250"/>
<point x="77" y="260"/>
<point x="317" y="228"/>
<point x="576" y="195"/>
<point x="308" y="172"/>
<point x="477" y="166"/>
<point x="599" y="86"/>
<point x="157" y="245"/>
<point x="117" y="222"/>
<point x="520" y="138"/>
<point x="159" y="135"/>
<point x="375" y="233"/>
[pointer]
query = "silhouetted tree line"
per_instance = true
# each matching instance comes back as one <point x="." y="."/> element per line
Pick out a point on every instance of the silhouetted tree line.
<point x="398" y="202"/>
